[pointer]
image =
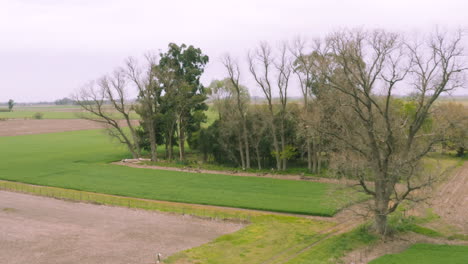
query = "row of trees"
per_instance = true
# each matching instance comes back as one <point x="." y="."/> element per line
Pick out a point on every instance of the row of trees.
<point x="349" y="116"/>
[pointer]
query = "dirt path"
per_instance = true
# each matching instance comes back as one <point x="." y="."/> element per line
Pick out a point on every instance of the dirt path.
<point x="43" y="230"/>
<point x="137" y="164"/>
<point x="15" y="127"/>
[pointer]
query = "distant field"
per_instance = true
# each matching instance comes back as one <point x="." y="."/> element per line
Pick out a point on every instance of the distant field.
<point x="427" y="254"/>
<point x="456" y="99"/>
<point x="79" y="160"/>
<point x="70" y="112"/>
<point x="47" y="114"/>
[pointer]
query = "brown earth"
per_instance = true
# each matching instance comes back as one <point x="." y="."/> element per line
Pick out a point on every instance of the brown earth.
<point x="44" y="230"/>
<point x="15" y="127"/>
<point x="451" y="200"/>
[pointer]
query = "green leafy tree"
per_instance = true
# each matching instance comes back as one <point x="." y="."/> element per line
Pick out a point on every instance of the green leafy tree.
<point x="11" y="103"/>
<point x="184" y="97"/>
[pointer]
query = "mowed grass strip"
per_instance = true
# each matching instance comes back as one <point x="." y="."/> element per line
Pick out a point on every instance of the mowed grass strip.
<point x="427" y="254"/>
<point x="80" y="160"/>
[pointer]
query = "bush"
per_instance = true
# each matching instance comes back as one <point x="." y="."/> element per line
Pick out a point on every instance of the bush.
<point x="38" y="115"/>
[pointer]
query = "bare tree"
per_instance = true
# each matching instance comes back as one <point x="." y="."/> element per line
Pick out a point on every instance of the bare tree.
<point x="260" y="63"/>
<point x="225" y="101"/>
<point x="364" y="68"/>
<point x="284" y="69"/>
<point x="105" y="101"/>
<point x="259" y="126"/>
<point x="233" y="70"/>
<point x="149" y="90"/>
<point x="303" y="68"/>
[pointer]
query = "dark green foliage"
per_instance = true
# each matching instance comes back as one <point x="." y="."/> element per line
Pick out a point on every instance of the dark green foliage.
<point x="11" y="103"/>
<point x="183" y="101"/>
<point x="64" y="101"/>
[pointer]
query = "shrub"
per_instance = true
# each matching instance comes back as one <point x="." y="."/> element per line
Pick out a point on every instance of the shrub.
<point x="38" y="115"/>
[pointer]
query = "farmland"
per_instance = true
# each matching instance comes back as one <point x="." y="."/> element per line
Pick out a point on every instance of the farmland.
<point x="79" y="160"/>
<point x="94" y="234"/>
<point x="336" y="175"/>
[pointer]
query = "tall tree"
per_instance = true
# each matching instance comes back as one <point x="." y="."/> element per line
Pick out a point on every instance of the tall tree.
<point x="11" y="103"/>
<point x="230" y="99"/>
<point x="241" y="94"/>
<point x="284" y="70"/>
<point x="261" y="62"/>
<point x="145" y="78"/>
<point x="384" y="141"/>
<point x="106" y="101"/>
<point x="184" y="101"/>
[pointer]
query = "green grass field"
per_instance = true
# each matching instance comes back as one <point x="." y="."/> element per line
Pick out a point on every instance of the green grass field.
<point x="47" y="114"/>
<point x="72" y="112"/>
<point x="80" y="160"/>
<point x="427" y="254"/>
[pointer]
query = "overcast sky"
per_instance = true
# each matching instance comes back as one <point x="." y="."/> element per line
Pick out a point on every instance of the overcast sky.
<point x="48" y="48"/>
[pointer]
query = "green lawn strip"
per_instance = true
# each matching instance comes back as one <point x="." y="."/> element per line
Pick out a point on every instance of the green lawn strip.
<point x="331" y="250"/>
<point x="79" y="160"/>
<point x="427" y="254"/>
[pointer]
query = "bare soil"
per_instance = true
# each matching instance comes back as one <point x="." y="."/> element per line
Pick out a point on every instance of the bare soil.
<point x="44" y="230"/>
<point x="15" y="127"/>
<point x="451" y="200"/>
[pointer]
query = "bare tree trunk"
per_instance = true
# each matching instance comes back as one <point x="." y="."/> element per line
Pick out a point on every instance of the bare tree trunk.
<point x="309" y="155"/>
<point x="259" y="163"/>
<point x="381" y="205"/>
<point x="181" y="141"/>
<point x="171" y="147"/>
<point x="283" y="144"/>
<point x="152" y="139"/>
<point x="170" y="142"/>
<point x="319" y="159"/>
<point x="314" y="156"/>
<point x="241" y="151"/>
<point x="246" y="141"/>
<point x="275" y="143"/>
